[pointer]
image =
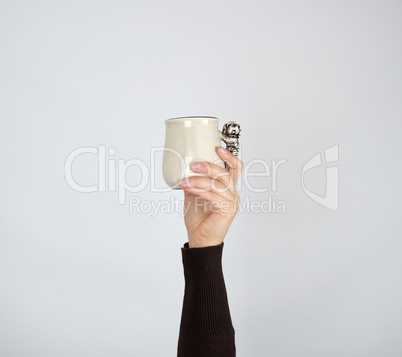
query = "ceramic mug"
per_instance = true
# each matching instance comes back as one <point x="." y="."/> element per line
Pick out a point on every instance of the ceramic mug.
<point x="190" y="139"/>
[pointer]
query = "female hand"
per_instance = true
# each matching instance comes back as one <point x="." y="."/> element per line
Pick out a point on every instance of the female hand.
<point x="211" y="202"/>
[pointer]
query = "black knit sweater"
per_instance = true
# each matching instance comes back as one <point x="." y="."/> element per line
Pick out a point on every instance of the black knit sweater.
<point x="206" y="328"/>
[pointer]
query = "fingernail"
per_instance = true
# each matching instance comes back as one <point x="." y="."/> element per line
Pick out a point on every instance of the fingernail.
<point x="184" y="181"/>
<point x="223" y="151"/>
<point x="196" y="166"/>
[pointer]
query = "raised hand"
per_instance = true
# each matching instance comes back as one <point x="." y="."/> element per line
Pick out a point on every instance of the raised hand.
<point x="211" y="202"/>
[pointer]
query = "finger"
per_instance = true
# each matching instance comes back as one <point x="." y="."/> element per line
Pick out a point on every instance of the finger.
<point x="199" y="184"/>
<point x="203" y="184"/>
<point x="215" y="202"/>
<point x="234" y="163"/>
<point x="214" y="172"/>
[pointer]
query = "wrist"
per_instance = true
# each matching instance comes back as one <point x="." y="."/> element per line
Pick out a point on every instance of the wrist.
<point x="199" y="242"/>
<point x="193" y="244"/>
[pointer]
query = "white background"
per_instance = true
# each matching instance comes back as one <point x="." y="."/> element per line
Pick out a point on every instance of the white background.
<point x="81" y="276"/>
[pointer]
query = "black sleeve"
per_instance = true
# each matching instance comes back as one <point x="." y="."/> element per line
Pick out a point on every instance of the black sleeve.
<point x="206" y="327"/>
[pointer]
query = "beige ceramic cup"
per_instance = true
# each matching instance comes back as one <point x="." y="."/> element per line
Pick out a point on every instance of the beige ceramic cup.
<point x="190" y="139"/>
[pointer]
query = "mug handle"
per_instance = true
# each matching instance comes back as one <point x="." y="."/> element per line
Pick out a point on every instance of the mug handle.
<point x="230" y="134"/>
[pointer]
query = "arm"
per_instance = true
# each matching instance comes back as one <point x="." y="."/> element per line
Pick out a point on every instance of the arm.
<point x="210" y="204"/>
<point x="206" y="326"/>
